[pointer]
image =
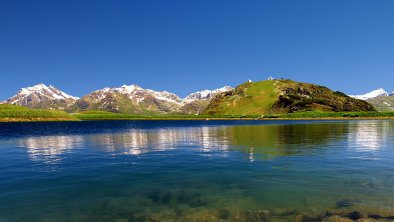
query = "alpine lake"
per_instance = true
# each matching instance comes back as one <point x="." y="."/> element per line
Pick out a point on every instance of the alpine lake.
<point x="197" y="171"/>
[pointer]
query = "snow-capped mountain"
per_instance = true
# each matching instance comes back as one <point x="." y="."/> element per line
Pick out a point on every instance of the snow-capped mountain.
<point x="137" y="94"/>
<point x="197" y="102"/>
<point x="380" y="99"/>
<point x="135" y="99"/>
<point x="371" y="95"/>
<point x="206" y="94"/>
<point x="125" y="99"/>
<point x="42" y="96"/>
<point x="131" y="99"/>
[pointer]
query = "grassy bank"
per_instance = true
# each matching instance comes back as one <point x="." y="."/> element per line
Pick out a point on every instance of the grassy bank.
<point x="13" y="113"/>
<point x="331" y="115"/>
<point x="102" y="115"/>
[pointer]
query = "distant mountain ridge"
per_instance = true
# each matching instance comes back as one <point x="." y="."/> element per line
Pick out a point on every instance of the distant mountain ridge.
<point x="206" y="94"/>
<point x="380" y="99"/>
<point x="371" y="95"/>
<point x="125" y="99"/>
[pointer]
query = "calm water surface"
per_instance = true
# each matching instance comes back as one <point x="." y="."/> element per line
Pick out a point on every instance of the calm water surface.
<point x="191" y="170"/>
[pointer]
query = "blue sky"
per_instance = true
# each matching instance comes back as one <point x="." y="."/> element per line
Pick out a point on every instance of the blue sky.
<point x="185" y="46"/>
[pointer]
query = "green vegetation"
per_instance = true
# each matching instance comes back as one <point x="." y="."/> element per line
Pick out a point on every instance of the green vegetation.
<point x="103" y="115"/>
<point x="248" y="98"/>
<point x="283" y="96"/>
<point x="329" y="115"/>
<point x="14" y="113"/>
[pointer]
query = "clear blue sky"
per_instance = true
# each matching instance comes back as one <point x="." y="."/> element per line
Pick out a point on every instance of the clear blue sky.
<point x="183" y="46"/>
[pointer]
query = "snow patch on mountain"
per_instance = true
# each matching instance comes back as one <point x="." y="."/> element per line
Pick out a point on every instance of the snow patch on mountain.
<point x="371" y="95"/>
<point x="206" y="94"/>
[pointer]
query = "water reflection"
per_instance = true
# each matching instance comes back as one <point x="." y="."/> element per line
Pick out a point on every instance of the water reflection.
<point x="267" y="142"/>
<point x="368" y="135"/>
<point x="257" y="141"/>
<point x="50" y="148"/>
<point x="143" y="141"/>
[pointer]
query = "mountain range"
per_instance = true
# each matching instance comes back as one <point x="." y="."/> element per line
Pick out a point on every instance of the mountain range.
<point x="270" y="96"/>
<point x="131" y="99"/>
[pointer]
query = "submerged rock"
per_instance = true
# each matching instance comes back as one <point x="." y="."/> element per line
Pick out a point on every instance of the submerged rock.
<point x="263" y="215"/>
<point x="284" y="211"/>
<point x="337" y="218"/>
<point x="347" y="203"/>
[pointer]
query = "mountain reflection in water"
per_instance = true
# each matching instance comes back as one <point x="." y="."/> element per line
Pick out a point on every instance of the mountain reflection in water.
<point x="260" y="141"/>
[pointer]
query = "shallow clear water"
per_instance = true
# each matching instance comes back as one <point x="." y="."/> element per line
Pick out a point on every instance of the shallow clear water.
<point x="192" y="170"/>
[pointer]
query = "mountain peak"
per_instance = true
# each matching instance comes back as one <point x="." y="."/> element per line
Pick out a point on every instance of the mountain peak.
<point x="42" y="96"/>
<point x="206" y="94"/>
<point x="371" y="95"/>
<point x="34" y="88"/>
<point x="126" y="89"/>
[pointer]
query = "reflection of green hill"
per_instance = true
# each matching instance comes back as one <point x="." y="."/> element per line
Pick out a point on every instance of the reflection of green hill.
<point x="284" y="140"/>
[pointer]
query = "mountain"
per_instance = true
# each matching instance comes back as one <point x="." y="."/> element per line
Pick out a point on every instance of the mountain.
<point x="372" y="94"/>
<point x="134" y="99"/>
<point x="380" y="99"/>
<point x="196" y="103"/>
<point x="130" y="99"/>
<point x="282" y="96"/>
<point x="42" y="96"/>
<point x="206" y="94"/>
<point x="383" y="103"/>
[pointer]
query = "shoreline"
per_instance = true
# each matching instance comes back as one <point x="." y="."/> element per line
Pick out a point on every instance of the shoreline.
<point x="10" y="120"/>
<point x="39" y="119"/>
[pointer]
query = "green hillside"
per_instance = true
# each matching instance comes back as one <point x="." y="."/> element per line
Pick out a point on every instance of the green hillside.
<point x="282" y="96"/>
<point x="20" y="113"/>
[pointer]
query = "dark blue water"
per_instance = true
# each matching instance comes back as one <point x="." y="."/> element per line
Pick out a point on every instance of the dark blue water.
<point x="193" y="170"/>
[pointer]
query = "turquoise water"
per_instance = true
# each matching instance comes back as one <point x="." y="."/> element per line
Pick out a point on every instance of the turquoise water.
<point x="193" y="170"/>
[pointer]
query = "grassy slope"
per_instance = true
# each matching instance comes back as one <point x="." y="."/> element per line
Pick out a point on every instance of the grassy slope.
<point x="250" y="97"/>
<point x="19" y="113"/>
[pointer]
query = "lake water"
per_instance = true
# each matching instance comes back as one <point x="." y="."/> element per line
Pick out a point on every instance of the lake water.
<point x="193" y="170"/>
